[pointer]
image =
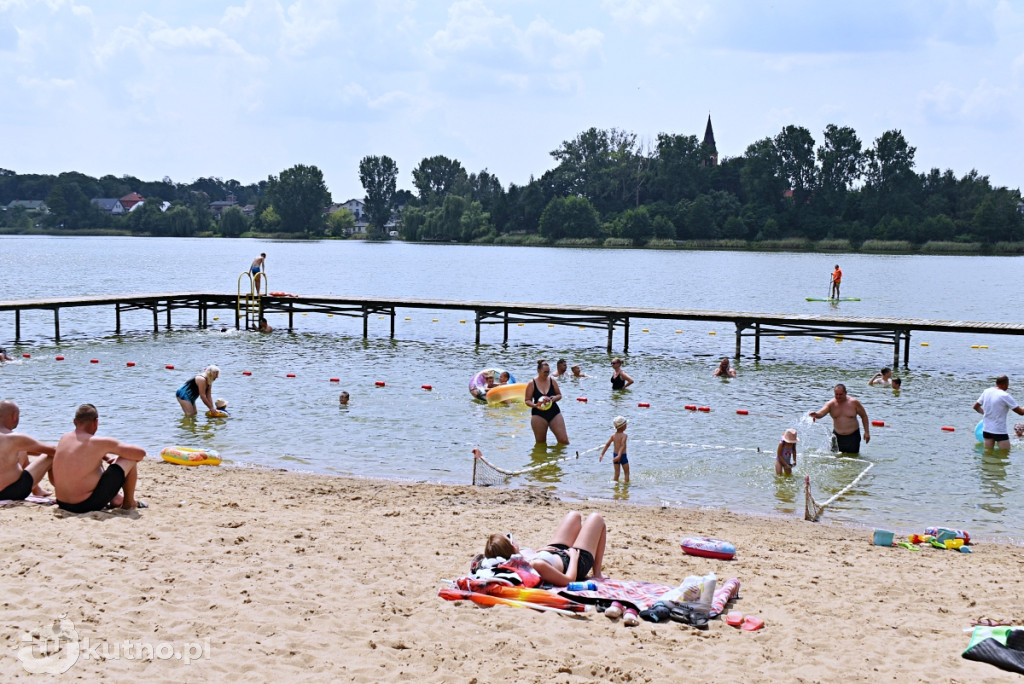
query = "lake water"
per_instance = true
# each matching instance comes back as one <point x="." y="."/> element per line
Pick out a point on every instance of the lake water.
<point x="923" y="476"/>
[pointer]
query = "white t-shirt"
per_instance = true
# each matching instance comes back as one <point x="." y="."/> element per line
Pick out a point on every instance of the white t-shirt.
<point x="996" y="403"/>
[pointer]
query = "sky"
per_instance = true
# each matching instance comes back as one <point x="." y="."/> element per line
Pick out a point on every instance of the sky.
<point x="246" y="89"/>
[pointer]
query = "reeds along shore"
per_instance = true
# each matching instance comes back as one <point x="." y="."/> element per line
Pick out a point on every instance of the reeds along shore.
<point x="298" y="577"/>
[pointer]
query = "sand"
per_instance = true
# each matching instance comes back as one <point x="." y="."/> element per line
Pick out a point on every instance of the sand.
<point x="297" y="577"/>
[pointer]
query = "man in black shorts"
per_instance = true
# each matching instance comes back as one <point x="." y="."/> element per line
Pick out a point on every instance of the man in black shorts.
<point x="845" y="410"/>
<point x="18" y="476"/>
<point x="82" y="482"/>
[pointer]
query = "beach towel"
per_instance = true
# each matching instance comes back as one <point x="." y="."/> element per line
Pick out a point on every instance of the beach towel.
<point x="31" y="498"/>
<point x="641" y="595"/>
<point x="999" y="646"/>
<point x="515" y="571"/>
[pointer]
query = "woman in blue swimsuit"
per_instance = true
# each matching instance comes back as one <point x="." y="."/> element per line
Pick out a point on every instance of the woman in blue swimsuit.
<point x="197" y="388"/>
<point x="542" y="395"/>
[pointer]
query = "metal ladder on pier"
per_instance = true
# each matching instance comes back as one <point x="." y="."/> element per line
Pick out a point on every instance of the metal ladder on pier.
<point x="249" y="304"/>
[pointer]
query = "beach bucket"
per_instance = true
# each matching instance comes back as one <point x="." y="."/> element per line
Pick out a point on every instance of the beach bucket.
<point x="883" y="538"/>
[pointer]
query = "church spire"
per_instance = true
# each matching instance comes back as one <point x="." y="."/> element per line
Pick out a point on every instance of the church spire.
<point x="710" y="149"/>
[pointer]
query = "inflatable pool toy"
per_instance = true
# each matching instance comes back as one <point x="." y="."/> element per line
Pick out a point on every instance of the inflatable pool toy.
<point x="190" y="457"/>
<point x="706" y="547"/>
<point x="503" y="393"/>
<point x="978" y="431"/>
<point x="216" y="414"/>
<point x="478" y="383"/>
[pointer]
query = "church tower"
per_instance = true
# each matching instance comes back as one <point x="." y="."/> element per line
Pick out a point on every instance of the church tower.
<point x="711" y="152"/>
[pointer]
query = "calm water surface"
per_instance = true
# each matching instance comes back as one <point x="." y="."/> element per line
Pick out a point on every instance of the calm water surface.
<point x="923" y="476"/>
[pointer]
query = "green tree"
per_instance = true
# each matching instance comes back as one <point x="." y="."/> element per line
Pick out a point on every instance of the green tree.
<point x="233" y="222"/>
<point x="842" y="164"/>
<point x="379" y="176"/>
<point x="341" y="223"/>
<point x="179" y="221"/>
<point x="69" y="206"/>
<point x="760" y="177"/>
<point x="148" y="218"/>
<point x="437" y="177"/>
<point x="635" y="225"/>
<point x="890" y="181"/>
<point x="413" y="219"/>
<point x="300" y="197"/>
<point x="269" y="220"/>
<point x="569" y="217"/>
<point x="608" y="168"/>
<point x="794" y="148"/>
<point x="677" y="167"/>
<point x="475" y="223"/>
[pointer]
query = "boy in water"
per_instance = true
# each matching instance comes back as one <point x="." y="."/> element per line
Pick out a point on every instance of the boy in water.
<point x="618" y="443"/>
<point x="343" y="399"/>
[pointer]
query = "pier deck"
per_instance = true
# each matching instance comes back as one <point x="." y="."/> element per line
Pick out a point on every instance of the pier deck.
<point x="882" y="330"/>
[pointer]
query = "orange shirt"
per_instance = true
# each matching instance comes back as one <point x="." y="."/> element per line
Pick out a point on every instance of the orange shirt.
<point x="837" y="275"/>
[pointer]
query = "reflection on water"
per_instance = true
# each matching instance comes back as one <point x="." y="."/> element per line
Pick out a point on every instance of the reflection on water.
<point x="994" y="464"/>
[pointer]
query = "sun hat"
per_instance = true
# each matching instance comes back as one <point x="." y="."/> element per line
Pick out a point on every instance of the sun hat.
<point x="618" y="422"/>
<point x="790" y="436"/>
<point x="221" y="403"/>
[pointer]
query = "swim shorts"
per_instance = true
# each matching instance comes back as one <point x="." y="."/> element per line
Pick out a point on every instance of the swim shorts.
<point x="848" y="444"/>
<point x="999" y="438"/>
<point x="20" y="489"/>
<point x="622" y="461"/>
<point x="106" y="489"/>
<point x="255" y="270"/>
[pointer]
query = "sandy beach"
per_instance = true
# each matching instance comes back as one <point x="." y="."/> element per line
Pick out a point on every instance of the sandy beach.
<point x="282" y="576"/>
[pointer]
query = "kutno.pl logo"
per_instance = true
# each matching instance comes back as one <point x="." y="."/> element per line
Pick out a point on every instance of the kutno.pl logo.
<point x="55" y="648"/>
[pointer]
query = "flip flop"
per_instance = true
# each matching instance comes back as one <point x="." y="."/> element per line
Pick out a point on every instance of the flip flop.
<point x="752" y="624"/>
<point x="734" y="618"/>
<point x="613" y="611"/>
<point x="630" y="618"/>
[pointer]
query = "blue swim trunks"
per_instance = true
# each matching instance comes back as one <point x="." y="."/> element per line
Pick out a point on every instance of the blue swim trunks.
<point x="622" y="461"/>
<point x="255" y="270"/>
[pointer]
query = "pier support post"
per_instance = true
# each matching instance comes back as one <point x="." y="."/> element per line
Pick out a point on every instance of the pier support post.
<point x="366" y="323"/>
<point x="56" y="324"/>
<point x="291" y="314"/>
<point x="156" y="317"/>
<point x="739" y="330"/>
<point x="17" y="325"/>
<point x="478" y="327"/>
<point x="504" y="338"/>
<point x="117" y="318"/>
<point x="906" y="348"/>
<point x="168" y="314"/>
<point x="392" y="322"/>
<point x="896" y="349"/>
<point x="611" y="333"/>
<point x="757" y="341"/>
<point x="625" y="336"/>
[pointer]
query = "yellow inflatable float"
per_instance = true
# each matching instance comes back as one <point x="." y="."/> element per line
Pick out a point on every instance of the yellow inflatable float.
<point x="503" y="393"/>
<point x="190" y="457"/>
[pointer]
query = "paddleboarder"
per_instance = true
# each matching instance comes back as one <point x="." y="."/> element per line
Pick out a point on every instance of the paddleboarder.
<point x="837" y="278"/>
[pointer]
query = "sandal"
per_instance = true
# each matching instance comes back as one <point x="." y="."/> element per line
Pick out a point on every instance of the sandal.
<point x="630" y="618"/>
<point x="989" y="622"/>
<point x="613" y="611"/>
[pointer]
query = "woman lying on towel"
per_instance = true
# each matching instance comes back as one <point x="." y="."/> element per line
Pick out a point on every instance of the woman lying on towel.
<point x="575" y="551"/>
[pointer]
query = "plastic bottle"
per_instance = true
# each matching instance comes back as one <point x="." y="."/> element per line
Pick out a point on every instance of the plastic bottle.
<point x="582" y="586"/>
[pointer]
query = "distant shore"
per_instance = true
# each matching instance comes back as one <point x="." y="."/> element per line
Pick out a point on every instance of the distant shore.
<point x="784" y="245"/>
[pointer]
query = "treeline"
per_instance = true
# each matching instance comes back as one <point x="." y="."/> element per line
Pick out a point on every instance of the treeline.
<point x="293" y="202"/>
<point x="608" y="184"/>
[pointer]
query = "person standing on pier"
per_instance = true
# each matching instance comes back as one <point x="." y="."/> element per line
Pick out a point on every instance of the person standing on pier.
<point x="844" y="410"/>
<point x="837" y="278"/>
<point x="994" y="403"/>
<point x="257" y="268"/>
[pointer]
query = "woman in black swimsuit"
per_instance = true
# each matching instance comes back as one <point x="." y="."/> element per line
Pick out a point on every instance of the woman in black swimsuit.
<point x="543" y="391"/>
<point x="619" y="378"/>
<point x="576" y="550"/>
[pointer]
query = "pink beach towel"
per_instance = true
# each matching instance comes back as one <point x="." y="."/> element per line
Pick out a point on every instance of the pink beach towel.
<point x="642" y="595"/>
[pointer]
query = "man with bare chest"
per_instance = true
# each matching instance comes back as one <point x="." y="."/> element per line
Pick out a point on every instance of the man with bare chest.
<point x="844" y="411"/>
<point x="18" y="476"/>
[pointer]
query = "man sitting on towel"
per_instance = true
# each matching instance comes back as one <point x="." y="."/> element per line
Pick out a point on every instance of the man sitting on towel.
<point x="79" y="476"/>
<point x="19" y="477"/>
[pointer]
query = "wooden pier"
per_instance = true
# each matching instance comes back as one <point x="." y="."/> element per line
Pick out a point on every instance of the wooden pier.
<point x="877" y="330"/>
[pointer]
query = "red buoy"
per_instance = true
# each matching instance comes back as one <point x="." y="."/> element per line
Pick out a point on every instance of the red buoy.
<point x="878" y="423"/>
<point x="705" y="409"/>
<point x="290" y="375"/>
<point x="948" y="428"/>
<point x="130" y="364"/>
<point x="335" y="379"/>
<point x="246" y="372"/>
<point x="743" y="412"/>
<point x="379" y="383"/>
<point x="690" y="407"/>
<point x="60" y="358"/>
<point x="27" y="356"/>
<point x="426" y="387"/>
<point x="583" y="399"/>
<point x="644" y="404"/>
<point x="169" y="366"/>
<point x="94" y="360"/>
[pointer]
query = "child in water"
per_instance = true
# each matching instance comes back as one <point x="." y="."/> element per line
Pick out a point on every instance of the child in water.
<point x="618" y="443"/>
<point x="222" y="406"/>
<point x="785" y="455"/>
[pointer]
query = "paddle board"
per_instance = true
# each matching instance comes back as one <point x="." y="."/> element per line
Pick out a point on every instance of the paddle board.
<point x="833" y="299"/>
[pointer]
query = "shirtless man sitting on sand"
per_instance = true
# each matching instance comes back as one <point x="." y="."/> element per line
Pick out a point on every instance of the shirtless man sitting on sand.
<point x="19" y="477"/>
<point x="844" y="411"/>
<point x="82" y="483"/>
